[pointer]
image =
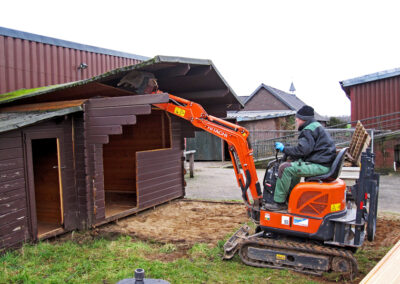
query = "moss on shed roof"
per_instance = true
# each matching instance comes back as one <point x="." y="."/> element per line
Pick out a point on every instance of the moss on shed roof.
<point x="15" y="95"/>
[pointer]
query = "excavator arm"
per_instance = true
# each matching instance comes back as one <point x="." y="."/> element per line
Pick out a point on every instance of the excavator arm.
<point x="235" y="136"/>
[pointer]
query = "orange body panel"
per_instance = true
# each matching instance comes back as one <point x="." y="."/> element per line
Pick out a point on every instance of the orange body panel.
<point x="290" y="222"/>
<point x="316" y="199"/>
<point x="309" y="203"/>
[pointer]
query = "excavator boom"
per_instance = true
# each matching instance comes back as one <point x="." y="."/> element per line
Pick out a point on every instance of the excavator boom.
<point x="235" y="136"/>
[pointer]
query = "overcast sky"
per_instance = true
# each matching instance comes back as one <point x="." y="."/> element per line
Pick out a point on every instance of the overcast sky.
<point x="315" y="44"/>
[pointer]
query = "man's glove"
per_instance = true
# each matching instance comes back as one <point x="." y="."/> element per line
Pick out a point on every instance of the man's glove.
<point x="279" y="146"/>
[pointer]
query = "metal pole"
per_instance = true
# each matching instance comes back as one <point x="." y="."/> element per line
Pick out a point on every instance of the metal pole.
<point x="372" y="140"/>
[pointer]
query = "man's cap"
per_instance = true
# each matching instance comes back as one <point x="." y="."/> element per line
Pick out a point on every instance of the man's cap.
<point x="305" y="113"/>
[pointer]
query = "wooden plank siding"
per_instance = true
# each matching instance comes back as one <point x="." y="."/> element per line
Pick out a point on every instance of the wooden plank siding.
<point x="104" y="117"/>
<point x="13" y="218"/>
<point x="79" y="165"/>
<point x="158" y="170"/>
<point x="62" y="130"/>
<point x="159" y="176"/>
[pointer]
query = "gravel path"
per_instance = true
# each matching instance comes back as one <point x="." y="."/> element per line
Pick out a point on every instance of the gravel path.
<point x="213" y="181"/>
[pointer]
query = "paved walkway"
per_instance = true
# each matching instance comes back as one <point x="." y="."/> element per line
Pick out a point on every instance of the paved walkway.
<point x="213" y="181"/>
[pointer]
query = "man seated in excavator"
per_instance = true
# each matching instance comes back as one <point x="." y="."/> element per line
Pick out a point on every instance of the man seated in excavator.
<point x="313" y="156"/>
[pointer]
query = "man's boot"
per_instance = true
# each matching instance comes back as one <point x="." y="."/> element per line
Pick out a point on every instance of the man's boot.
<point x="275" y="206"/>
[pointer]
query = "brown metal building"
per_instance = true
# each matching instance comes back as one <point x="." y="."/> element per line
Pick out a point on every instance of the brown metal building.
<point x="375" y="101"/>
<point x="30" y="60"/>
<point x="85" y="153"/>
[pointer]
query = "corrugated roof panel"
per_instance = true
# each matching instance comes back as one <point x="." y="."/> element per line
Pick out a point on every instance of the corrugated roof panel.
<point x="258" y="115"/>
<point x="14" y="120"/>
<point x="371" y="77"/>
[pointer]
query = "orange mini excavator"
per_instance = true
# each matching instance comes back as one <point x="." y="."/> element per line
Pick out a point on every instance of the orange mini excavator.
<point x="319" y="231"/>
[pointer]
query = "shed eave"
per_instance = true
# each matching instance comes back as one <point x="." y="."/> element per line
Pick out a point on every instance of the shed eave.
<point x="27" y="118"/>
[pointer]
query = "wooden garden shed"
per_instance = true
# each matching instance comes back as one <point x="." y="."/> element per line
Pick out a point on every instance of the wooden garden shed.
<point x="82" y="154"/>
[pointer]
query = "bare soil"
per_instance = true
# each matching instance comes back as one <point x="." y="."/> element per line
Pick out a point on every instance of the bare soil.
<point x="182" y="222"/>
<point x="387" y="233"/>
<point x="187" y="222"/>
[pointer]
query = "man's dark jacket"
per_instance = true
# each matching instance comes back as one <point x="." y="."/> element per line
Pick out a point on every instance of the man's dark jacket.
<point x="315" y="145"/>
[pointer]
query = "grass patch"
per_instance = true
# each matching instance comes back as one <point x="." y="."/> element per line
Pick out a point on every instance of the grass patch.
<point x="108" y="261"/>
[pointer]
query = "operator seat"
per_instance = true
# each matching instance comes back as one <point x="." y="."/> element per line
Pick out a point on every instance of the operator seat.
<point x="335" y="170"/>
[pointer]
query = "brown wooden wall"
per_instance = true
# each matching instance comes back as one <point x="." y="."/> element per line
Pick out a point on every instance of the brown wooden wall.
<point x="13" y="209"/>
<point x="17" y="195"/>
<point x="264" y="100"/>
<point x="61" y="129"/>
<point x="80" y="174"/>
<point x="82" y="137"/>
<point x="105" y="117"/>
<point x="159" y="176"/>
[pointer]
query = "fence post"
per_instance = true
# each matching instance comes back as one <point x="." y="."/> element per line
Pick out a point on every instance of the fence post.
<point x="372" y="141"/>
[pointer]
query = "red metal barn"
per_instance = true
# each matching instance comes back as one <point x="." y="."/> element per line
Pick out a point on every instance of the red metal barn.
<point x="30" y="60"/>
<point x="375" y="101"/>
<point x="85" y="153"/>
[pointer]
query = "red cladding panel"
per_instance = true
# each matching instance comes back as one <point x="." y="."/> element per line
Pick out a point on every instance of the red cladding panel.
<point x="377" y="98"/>
<point x="29" y="64"/>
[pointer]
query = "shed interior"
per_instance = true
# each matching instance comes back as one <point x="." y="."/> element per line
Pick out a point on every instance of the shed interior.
<point x="48" y="201"/>
<point x="151" y="132"/>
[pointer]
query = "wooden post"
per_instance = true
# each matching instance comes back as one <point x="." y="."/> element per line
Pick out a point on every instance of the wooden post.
<point x="191" y="161"/>
<point x="191" y="164"/>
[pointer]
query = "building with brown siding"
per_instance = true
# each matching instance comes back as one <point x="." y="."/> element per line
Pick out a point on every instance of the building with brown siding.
<point x="85" y="153"/>
<point x="375" y="101"/>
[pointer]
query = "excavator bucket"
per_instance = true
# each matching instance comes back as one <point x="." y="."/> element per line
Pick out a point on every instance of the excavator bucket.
<point x="233" y="244"/>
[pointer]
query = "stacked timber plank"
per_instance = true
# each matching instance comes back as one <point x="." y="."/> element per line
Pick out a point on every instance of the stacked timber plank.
<point x="358" y="144"/>
<point x="387" y="269"/>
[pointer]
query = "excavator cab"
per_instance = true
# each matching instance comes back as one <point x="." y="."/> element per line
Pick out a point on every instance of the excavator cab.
<point x="303" y="189"/>
<point x="309" y="204"/>
<point x="320" y="195"/>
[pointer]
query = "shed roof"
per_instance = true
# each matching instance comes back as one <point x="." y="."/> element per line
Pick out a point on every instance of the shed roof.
<point x="258" y="114"/>
<point x="346" y="84"/>
<point x="290" y="100"/>
<point x="24" y="115"/>
<point x="68" y="44"/>
<point x="193" y="79"/>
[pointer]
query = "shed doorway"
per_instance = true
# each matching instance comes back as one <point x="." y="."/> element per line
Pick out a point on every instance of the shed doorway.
<point x="151" y="132"/>
<point x="47" y="184"/>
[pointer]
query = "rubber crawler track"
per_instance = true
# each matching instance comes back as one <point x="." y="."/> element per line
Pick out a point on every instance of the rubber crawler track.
<point x="298" y="247"/>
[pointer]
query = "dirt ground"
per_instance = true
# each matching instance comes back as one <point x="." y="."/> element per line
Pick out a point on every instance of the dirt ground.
<point x="187" y="222"/>
<point x="182" y="222"/>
